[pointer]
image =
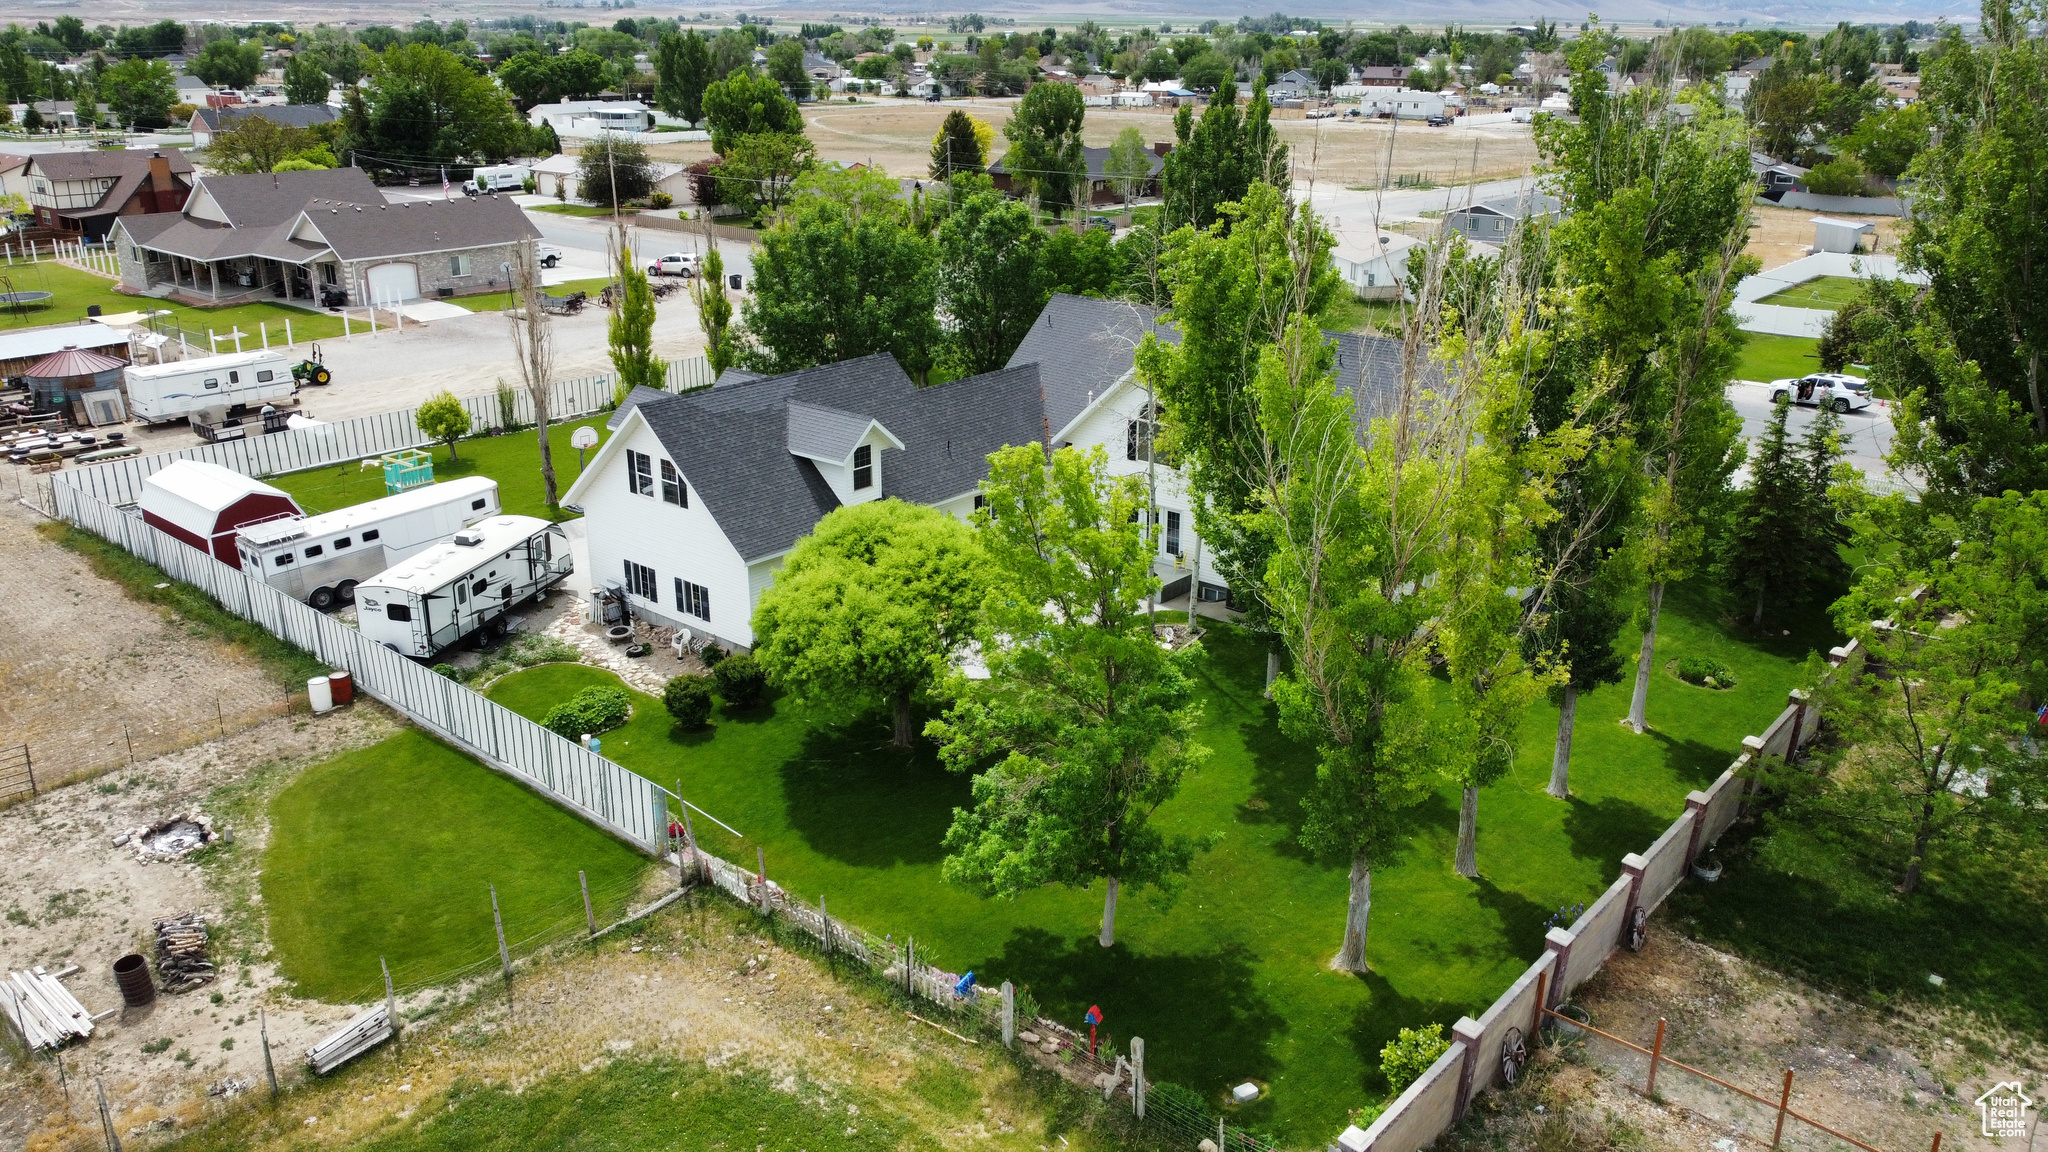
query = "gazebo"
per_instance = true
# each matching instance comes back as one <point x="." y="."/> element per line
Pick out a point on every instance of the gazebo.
<point x="62" y="377"/>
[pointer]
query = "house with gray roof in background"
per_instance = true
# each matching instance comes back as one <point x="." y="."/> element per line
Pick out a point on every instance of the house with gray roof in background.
<point x="84" y="192"/>
<point x="1493" y="221"/>
<point x="320" y="235"/>
<point x="694" y="501"/>
<point x="207" y="121"/>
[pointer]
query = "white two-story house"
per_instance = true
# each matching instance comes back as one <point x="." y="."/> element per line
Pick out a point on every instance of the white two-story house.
<point x="694" y="501"/>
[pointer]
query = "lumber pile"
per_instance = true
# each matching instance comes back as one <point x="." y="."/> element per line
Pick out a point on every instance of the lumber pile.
<point x="181" y="952"/>
<point x="43" y="1011"/>
<point x="366" y="1031"/>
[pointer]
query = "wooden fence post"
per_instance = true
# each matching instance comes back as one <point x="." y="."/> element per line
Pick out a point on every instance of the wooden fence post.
<point x="1138" y="1077"/>
<point x="1656" y="1056"/>
<point x="589" y="916"/>
<point x="824" y="925"/>
<point x="269" y="1069"/>
<point x="1784" y="1104"/>
<point x="761" y="877"/>
<point x="1010" y="1018"/>
<point x="504" y="955"/>
<point x="106" y="1117"/>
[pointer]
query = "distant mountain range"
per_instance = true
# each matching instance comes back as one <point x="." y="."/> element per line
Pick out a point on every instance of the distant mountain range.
<point x="1436" y="12"/>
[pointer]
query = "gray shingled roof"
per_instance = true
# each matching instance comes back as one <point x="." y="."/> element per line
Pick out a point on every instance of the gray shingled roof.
<point x="823" y="433"/>
<point x="732" y="442"/>
<point x="264" y="198"/>
<point x="128" y="168"/>
<point x="362" y="231"/>
<point x="288" y="115"/>
<point x="1082" y="346"/>
<point x="1098" y="164"/>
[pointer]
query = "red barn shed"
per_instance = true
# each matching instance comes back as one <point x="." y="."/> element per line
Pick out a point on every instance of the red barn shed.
<point x="203" y="504"/>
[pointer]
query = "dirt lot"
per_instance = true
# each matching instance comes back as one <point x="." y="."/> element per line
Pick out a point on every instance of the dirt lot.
<point x="73" y="897"/>
<point x="1783" y="235"/>
<point x="84" y="670"/>
<point x="897" y="136"/>
<point x="1889" y="1079"/>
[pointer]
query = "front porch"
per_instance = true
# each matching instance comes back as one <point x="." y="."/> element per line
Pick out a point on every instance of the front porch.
<point x="238" y="280"/>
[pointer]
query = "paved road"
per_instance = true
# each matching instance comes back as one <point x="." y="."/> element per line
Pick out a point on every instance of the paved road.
<point x="1868" y="432"/>
<point x="1388" y="205"/>
<point x="584" y="235"/>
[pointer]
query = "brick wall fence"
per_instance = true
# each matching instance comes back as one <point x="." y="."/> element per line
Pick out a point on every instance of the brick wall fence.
<point x="1473" y="1064"/>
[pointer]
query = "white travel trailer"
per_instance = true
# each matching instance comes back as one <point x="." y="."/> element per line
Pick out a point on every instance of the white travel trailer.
<point x="162" y="392"/>
<point x="450" y="590"/>
<point x="320" y="559"/>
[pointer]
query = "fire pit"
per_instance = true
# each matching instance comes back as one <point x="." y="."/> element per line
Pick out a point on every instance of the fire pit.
<point x="174" y="838"/>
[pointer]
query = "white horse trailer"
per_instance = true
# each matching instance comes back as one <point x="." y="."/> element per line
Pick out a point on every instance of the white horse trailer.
<point x="450" y="590"/>
<point x="320" y="559"/>
<point x="163" y="392"/>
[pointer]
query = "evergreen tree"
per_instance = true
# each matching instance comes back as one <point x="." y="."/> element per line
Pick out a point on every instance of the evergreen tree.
<point x="630" y="331"/>
<point x="1766" y="557"/>
<point x="714" y="312"/>
<point x="957" y="147"/>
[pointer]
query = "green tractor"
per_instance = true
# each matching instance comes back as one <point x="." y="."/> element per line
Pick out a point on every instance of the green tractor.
<point x="312" y="370"/>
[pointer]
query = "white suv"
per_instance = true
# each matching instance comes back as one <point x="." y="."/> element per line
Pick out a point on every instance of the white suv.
<point x="1830" y="389"/>
<point x="682" y="264"/>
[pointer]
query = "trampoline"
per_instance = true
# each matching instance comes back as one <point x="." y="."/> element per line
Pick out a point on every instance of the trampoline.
<point x="23" y="301"/>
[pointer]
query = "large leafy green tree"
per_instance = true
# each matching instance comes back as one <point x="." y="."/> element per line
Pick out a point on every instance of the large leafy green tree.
<point x="614" y="170"/>
<point x="714" y="312"/>
<point x="228" y="63"/>
<point x="991" y="278"/>
<point x="1086" y="724"/>
<point x="305" y="81"/>
<point x="140" y="92"/>
<point x="870" y="607"/>
<point x="1045" y="146"/>
<point x="760" y="170"/>
<point x="425" y="106"/>
<point x="1206" y="167"/>
<point x="843" y="275"/>
<point x="744" y="104"/>
<point x="682" y="70"/>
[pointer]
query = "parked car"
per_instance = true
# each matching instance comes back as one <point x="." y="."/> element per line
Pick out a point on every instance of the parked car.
<point x="931" y="98"/>
<point x="1831" y="389"/>
<point x="1353" y="113"/>
<point x="682" y="264"/>
<point x="550" y="256"/>
<point x="1102" y="222"/>
<point x="1439" y="121"/>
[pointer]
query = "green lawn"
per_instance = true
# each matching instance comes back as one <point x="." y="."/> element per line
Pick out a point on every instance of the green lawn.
<point x="496" y="301"/>
<point x="1233" y="980"/>
<point x="512" y="460"/>
<point x="1347" y="313"/>
<point x="1768" y="358"/>
<point x="1823" y="292"/>
<point x="389" y="850"/>
<point x="1818" y="897"/>
<point x="76" y="290"/>
<point x="581" y="209"/>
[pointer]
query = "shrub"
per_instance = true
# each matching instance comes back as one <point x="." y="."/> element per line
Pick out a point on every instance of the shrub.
<point x="1172" y="1100"/>
<point x="660" y="200"/>
<point x="1838" y="177"/>
<point x="739" y="680"/>
<point x="1705" y="671"/>
<point x="688" y="699"/>
<point x="1837" y="347"/>
<point x="711" y="655"/>
<point x="593" y="710"/>
<point x="1408" y="1055"/>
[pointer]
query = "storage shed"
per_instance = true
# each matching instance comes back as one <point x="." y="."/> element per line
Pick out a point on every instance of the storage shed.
<point x="62" y="377"/>
<point x="203" y="504"/>
<point x="1832" y="235"/>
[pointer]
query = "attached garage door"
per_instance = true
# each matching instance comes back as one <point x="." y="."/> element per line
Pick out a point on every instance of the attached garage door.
<point x="394" y="282"/>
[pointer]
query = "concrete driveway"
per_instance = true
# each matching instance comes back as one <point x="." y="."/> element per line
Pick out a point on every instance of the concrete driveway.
<point x="1867" y="433"/>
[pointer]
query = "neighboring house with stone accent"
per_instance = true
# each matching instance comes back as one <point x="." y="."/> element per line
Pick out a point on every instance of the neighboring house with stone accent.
<point x="314" y="235"/>
<point x="84" y="192"/>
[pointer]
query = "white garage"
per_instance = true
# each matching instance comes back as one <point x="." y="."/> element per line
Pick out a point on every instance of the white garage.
<point x="395" y="281"/>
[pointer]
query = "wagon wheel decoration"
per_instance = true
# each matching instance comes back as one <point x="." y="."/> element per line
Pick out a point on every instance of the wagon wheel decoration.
<point x="1513" y="1054"/>
<point x="1639" y="930"/>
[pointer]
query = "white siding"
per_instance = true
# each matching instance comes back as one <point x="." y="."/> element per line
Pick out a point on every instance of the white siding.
<point x="675" y="542"/>
<point x="839" y="477"/>
<point x="1107" y="424"/>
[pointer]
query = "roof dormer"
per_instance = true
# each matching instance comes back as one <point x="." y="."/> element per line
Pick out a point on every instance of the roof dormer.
<point x="846" y="447"/>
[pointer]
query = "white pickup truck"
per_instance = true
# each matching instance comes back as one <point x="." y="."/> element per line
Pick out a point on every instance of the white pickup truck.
<point x="1824" y="389"/>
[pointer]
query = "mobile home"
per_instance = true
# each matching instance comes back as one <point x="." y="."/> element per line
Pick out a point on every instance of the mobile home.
<point x="163" y="392"/>
<point x="447" y="592"/>
<point x="320" y="559"/>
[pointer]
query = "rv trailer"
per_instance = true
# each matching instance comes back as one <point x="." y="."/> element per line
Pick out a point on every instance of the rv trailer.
<point x="447" y="592"/>
<point x="162" y="392"/>
<point x="320" y="559"/>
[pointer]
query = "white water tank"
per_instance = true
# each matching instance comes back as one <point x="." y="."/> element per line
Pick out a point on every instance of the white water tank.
<point x="320" y="694"/>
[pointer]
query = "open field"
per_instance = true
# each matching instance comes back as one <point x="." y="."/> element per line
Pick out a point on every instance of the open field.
<point x="1782" y="235"/>
<point x="513" y="460"/>
<point x="1231" y="981"/>
<point x="1825" y="292"/>
<point x="896" y="135"/>
<point x="1766" y="358"/>
<point x="389" y="851"/>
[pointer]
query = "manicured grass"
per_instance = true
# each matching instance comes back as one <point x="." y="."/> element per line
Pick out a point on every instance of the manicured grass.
<point x="513" y="460"/>
<point x="1825" y="292"/>
<point x="1818" y="897"/>
<point x="498" y="301"/>
<point x="1347" y="313"/>
<point x="76" y="290"/>
<point x="390" y="851"/>
<point x="1233" y="980"/>
<point x="582" y="209"/>
<point x="1767" y="358"/>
